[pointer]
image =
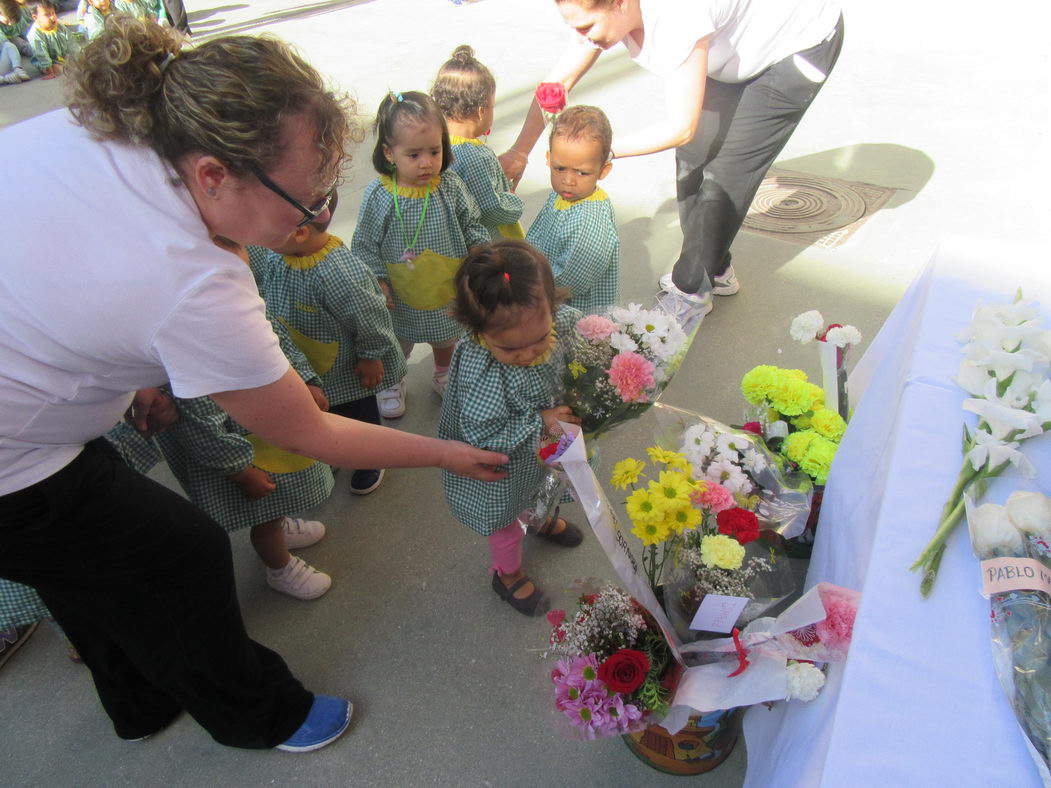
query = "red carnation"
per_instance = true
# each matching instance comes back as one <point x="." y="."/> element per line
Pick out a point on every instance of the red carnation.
<point x="551" y="96"/>
<point x="753" y="427"/>
<point x="625" y="670"/>
<point x="739" y="523"/>
<point x="547" y="451"/>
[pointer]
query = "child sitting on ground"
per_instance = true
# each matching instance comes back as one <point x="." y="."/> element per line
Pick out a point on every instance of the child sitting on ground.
<point x="334" y="310"/>
<point x="242" y="481"/>
<point x="466" y="93"/>
<point x="15" y="21"/>
<point x="416" y="224"/>
<point x="505" y="386"/>
<point x="53" y="43"/>
<point x="576" y="228"/>
<point x="11" y="71"/>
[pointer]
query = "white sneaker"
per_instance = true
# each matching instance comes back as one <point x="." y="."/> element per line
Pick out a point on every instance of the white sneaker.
<point x="439" y="381"/>
<point x="301" y="533"/>
<point x="392" y="401"/>
<point x="725" y="284"/>
<point x="298" y="579"/>
<point x="10" y="79"/>
<point x="22" y="74"/>
<point x="692" y="299"/>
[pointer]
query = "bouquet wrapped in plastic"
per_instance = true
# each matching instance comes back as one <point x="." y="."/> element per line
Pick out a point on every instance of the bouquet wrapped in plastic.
<point x="1013" y="543"/>
<point x="623" y="361"/>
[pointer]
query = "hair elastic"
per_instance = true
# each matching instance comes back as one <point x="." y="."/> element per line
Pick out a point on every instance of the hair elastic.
<point x="163" y="66"/>
<point x="396" y="97"/>
<point x="507" y="277"/>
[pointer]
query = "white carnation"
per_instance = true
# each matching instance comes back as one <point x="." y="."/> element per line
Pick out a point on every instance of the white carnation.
<point x="807" y="326"/>
<point x="841" y="336"/>
<point x="805" y="680"/>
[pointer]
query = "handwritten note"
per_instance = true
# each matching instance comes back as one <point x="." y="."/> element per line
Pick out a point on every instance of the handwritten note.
<point x="1000" y="575"/>
<point x="718" y="613"/>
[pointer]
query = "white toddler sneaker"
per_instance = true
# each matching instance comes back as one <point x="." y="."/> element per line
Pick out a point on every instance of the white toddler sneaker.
<point x="298" y="579"/>
<point x="301" y="533"/>
<point x="439" y="382"/>
<point x="392" y="401"/>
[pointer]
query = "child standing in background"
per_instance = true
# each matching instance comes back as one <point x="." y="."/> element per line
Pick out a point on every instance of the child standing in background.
<point x="333" y="308"/>
<point x="52" y="42"/>
<point x="466" y="93"/>
<point x="576" y="228"/>
<point x="242" y="481"/>
<point x="504" y="392"/>
<point x="416" y="224"/>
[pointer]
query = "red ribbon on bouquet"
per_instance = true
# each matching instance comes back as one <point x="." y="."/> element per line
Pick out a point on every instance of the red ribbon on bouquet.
<point x="742" y="654"/>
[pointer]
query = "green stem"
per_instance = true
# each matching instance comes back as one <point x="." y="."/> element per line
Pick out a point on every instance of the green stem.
<point x="937" y="544"/>
<point x="931" y="572"/>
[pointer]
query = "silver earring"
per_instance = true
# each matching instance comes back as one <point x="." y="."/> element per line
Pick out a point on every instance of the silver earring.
<point x="211" y="191"/>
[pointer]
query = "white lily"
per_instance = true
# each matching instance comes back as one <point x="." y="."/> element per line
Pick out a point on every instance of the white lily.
<point x="995" y="452"/>
<point x="1003" y="363"/>
<point x="1042" y="402"/>
<point x="973" y="377"/>
<point x="1002" y="420"/>
<point x="1040" y="342"/>
<point x="807" y="326"/>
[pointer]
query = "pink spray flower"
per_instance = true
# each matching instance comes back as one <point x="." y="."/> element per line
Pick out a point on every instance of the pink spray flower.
<point x="631" y="375"/>
<point x="595" y="328"/>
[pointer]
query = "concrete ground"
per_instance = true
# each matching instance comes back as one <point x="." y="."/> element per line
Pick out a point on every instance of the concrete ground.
<point x="931" y="99"/>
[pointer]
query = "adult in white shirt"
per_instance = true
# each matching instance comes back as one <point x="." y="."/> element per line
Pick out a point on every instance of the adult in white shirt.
<point x="160" y="150"/>
<point x="738" y="75"/>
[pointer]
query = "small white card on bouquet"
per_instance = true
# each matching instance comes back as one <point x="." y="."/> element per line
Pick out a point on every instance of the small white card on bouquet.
<point x="718" y="613"/>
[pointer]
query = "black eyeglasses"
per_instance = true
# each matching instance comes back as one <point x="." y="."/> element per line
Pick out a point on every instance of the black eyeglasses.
<point x="309" y="214"/>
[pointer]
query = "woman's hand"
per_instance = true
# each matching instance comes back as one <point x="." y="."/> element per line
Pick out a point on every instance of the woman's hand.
<point x="552" y="417"/>
<point x="465" y="460"/>
<point x="152" y="411"/>
<point x="254" y="483"/>
<point x="513" y="163"/>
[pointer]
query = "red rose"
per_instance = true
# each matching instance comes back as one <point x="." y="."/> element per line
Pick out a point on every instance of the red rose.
<point x="753" y="427"/>
<point x="551" y="96"/>
<point x="739" y="523"/>
<point x="547" y="451"/>
<point x="625" y="670"/>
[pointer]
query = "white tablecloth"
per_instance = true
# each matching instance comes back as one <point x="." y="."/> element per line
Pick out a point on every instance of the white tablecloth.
<point x="917" y="703"/>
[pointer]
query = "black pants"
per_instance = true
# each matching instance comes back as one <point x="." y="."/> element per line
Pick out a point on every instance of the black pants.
<point x="142" y="583"/>
<point x="743" y="127"/>
<point x="364" y="409"/>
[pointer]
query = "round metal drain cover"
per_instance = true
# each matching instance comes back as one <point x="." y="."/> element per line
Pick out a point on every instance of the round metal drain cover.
<point x="803" y="204"/>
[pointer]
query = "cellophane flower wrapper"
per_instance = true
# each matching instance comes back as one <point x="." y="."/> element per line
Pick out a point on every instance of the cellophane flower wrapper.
<point x="613" y="668"/>
<point x="554" y="488"/>
<point x="624" y="360"/>
<point x="740" y="461"/>
<point x="1020" y="624"/>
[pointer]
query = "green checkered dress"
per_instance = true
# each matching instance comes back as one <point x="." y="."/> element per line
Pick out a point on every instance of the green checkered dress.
<point x="580" y="239"/>
<point x="476" y="163"/>
<point x="450" y="228"/>
<point x="497" y="406"/>
<point x="333" y="309"/>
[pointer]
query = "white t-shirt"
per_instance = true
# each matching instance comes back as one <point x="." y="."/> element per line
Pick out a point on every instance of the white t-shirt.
<point x="108" y="284"/>
<point x="748" y="36"/>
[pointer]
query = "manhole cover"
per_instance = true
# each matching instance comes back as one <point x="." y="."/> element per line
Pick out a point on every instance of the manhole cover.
<point x="799" y="203"/>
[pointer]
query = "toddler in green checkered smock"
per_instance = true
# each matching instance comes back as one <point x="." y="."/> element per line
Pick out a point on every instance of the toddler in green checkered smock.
<point x="576" y="228"/>
<point x="504" y="394"/>
<point x="466" y="93"/>
<point x="417" y="222"/>
<point x="242" y="481"/>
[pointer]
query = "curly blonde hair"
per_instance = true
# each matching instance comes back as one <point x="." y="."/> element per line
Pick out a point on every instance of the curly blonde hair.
<point x="226" y="98"/>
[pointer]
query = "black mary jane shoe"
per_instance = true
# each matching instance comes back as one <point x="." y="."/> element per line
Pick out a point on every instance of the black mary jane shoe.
<point x="570" y="536"/>
<point x="533" y="605"/>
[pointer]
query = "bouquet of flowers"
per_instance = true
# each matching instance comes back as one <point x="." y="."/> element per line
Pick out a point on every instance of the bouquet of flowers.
<point x="623" y="361"/>
<point x="1009" y="540"/>
<point x="1007" y="370"/>
<point x="616" y="668"/>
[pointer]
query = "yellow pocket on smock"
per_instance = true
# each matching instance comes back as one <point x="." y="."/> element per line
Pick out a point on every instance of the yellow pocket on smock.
<point x="426" y="282"/>
<point x="321" y="355"/>
<point x="511" y="230"/>
<point x="275" y="460"/>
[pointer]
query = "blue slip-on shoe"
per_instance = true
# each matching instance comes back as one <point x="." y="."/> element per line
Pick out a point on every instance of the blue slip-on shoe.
<point x="325" y="723"/>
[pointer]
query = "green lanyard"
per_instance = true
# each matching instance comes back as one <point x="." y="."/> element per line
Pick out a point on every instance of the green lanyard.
<point x="410" y="248"/>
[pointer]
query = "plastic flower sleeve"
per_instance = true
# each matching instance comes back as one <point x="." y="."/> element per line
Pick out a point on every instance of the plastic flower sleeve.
<point x="743" y="460"/>
<point x="1020" y="620"/>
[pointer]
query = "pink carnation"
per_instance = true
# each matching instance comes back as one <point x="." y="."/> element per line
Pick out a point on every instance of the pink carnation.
<point x="631" y="375"/>
<point x="595" y="328"/>
<point x="841" y="606"/>
<point x="714" y="497"/>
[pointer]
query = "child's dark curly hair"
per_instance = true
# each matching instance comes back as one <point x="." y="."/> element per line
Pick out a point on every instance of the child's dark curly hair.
<point x="582" y="122"/>
<point x="499" y="280"/>
<point x="397" y="109"/>
<point x="463" y="85"/>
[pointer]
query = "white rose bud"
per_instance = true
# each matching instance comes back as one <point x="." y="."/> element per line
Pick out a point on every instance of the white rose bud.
<point x="992" y="531"/>
<point x="1030" y="512"/>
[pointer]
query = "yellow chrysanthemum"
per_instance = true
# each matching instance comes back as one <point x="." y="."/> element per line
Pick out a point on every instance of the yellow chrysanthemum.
<point x="651" y="532"/>
<point x="672" y="490"/>
<point x="663" y="456"/>
<point x="721" y="551"/>
<point x="801" y="422"/>
<point x="818" y="458"/>
<point x="642" y="508"/>
<point x="792" y="396"/>
<point x="577" y="369"/>
<point x="796" y="444"/>
<point x="796" y="373"/>
<point x="828" y="424"/>
<point x="626" y="472"/>
<point x="679" y="520"/>
<point x="759" y="382"/>
<point x="819" y="397"/>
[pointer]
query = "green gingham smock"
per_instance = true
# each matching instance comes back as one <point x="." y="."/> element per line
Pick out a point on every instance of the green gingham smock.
<point x="450" y="228"/>
<point x="497" y="406"/>
<point x="54" y="47"/>
<point x="332" y="307"/>
<point x="580" y="239"/>
<point x="476" y="163"/>
<point x="21" y="26"/>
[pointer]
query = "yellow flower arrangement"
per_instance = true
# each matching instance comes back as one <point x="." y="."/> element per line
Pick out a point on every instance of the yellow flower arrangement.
<point x="721" y="551"/>
<point x="652" y="532"/>
<point x="796" y="445"/>
<point x="679" y="520"/>
<point x="626" y="472"/>
<point x="663" y="456"/>
<point x="828" y="424"/>
<point x="642" y="508"/>
<point x="818" y="458"/>
<point x="794" y="397"/>
<point x="759" y="382"/>
<point x="672" y="491"/>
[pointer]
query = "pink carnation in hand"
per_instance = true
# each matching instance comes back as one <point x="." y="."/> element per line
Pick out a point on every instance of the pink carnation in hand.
<point x="715" y="497"/>
<point x="595" y="328"/>
<point x="631" y="375"/>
